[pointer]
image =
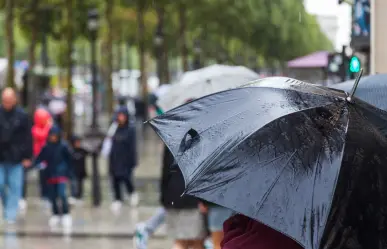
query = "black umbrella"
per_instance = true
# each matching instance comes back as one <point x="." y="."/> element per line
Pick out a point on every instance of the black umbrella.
<point x="300" y="158"/>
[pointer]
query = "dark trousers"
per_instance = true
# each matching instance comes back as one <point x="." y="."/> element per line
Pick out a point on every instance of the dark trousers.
<point x="57" y="193"/>
<point x="77" y="188"/>
<point x="25" y="184"/>
<point x="43" y="185"/>
<point x="117" y="182"/>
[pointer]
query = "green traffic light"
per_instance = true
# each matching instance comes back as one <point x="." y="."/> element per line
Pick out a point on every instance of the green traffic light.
<point x="354" y="65"/>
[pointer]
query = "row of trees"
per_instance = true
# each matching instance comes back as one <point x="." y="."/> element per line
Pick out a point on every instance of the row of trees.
<point x="269" y="31"/>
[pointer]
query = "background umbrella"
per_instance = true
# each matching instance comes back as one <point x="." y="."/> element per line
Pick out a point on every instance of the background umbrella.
<point x="57" y="106"/>
<point x="298" y="157"/>
<point x="205" y="81"/>
<point x="372" y="89"/>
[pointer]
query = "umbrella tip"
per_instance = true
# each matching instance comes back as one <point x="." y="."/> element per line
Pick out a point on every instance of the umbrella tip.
<point x="357" y="80"/>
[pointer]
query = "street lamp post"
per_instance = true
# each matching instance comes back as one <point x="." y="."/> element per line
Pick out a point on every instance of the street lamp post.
<point x="94" y="134"/>
<point x="158" y="42"/>
<point x="197" y="51"/>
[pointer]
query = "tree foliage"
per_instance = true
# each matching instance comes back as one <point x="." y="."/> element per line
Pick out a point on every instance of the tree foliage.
<point x="270" y="29"/>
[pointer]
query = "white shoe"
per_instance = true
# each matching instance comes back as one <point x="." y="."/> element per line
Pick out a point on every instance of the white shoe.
<point x="141" y="237"/>
<point x="116" y="206"/>
<point x="23" y="204"/>
<point x="134" y="199"/>
<point x="67" y="221"/>
<point x="54" y="221"/>
<point x="72" y="201"/>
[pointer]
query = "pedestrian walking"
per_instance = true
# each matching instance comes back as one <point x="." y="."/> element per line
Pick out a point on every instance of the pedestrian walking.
<point x="42" y="125"/>
<point x="79" y="155"/>
<point x="185" y="223"/>
<point x="15" y="152"/>
<point x="57" y="157"/>
<point x="146" y="229"/>
<point x="123" y="160"/>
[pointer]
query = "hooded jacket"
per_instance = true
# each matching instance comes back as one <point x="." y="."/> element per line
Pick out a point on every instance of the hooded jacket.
<point x="123" y="154"/>
<point x="57" y="157"/>
<point x="40" y="130"/>
<point x="241" y="232"/>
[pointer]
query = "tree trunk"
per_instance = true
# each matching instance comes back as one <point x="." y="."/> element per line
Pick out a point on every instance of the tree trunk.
<point x="9" y="24"/>
<point x="141" y="48"/>
<point x="109" y="56"/>
<point x="160" y="47"/>
<point x="165" y="59"/>
<point x="119" y="56"/>
<point x="69" y="65"/>
<point x="182" y="36"/>
<point x="34" y="35"/>
<point x="32" y="54"/>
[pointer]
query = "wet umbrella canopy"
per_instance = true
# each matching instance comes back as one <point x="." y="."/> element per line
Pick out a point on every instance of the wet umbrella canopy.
<point x="298" y="157"/>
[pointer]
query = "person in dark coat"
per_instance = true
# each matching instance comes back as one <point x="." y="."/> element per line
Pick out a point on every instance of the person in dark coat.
<point x="57" y="157"/>
<point x="123" y="159"/>
<point x="15" y="152"/>
<point x="79" y="155"/>
<point x="185" y="223"/>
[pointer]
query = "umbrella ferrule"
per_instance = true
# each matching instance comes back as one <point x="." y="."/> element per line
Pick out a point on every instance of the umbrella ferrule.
<point x="357" y="80"/>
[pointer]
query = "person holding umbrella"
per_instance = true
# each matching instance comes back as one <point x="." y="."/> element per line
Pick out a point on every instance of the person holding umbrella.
<point x="304" y="160"/>
<point x="243" y="232"/>
<point x="185" y="223"/>
<point x="216" y="215"/>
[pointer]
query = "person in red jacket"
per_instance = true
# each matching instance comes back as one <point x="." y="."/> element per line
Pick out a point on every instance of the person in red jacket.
<point x="40" y="129"/>
<point x="241" y="232"/>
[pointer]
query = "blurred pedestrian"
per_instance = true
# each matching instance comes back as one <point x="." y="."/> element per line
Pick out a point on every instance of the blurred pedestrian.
<point x="146" y="229"/>
<point x="125" y="103"/>
<point x="216" y="216"/>
<point x="123" y="160"/>
<point x="42" y="125"/>
<point x="243" y="232"/>
<point x="79" y="165"/>
<point x="15" y="152"/>
<point x="57" y="157"/>
<point x="185" y="223"/>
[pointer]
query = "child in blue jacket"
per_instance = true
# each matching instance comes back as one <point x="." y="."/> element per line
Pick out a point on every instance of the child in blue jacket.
<point x="56" y="156"/>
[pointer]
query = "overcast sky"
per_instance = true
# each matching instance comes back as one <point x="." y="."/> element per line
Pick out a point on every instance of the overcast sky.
<point x="331" y="7"/>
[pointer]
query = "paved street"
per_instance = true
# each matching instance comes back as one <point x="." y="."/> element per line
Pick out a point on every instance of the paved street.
<point x="94" y="228"/>
<point x="12" y="242"/>
<point x="87" y="222"/>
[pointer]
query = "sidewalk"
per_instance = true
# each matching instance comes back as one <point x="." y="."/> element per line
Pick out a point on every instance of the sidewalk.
<point x="88" y="222"/>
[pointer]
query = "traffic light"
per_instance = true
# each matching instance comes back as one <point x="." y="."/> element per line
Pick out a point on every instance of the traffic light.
<point x="354" y="64"/>
<point x="335" y="62"/>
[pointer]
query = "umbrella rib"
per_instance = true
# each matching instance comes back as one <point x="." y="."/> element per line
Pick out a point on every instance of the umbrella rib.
<point x="312" y="202"/>
<point x="267" y="193"/>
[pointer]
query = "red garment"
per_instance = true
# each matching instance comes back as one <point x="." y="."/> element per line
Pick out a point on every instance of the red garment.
<point x="241" y="232"/>
<point x="56" y="180"/>
<point x="40" y="130"/>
